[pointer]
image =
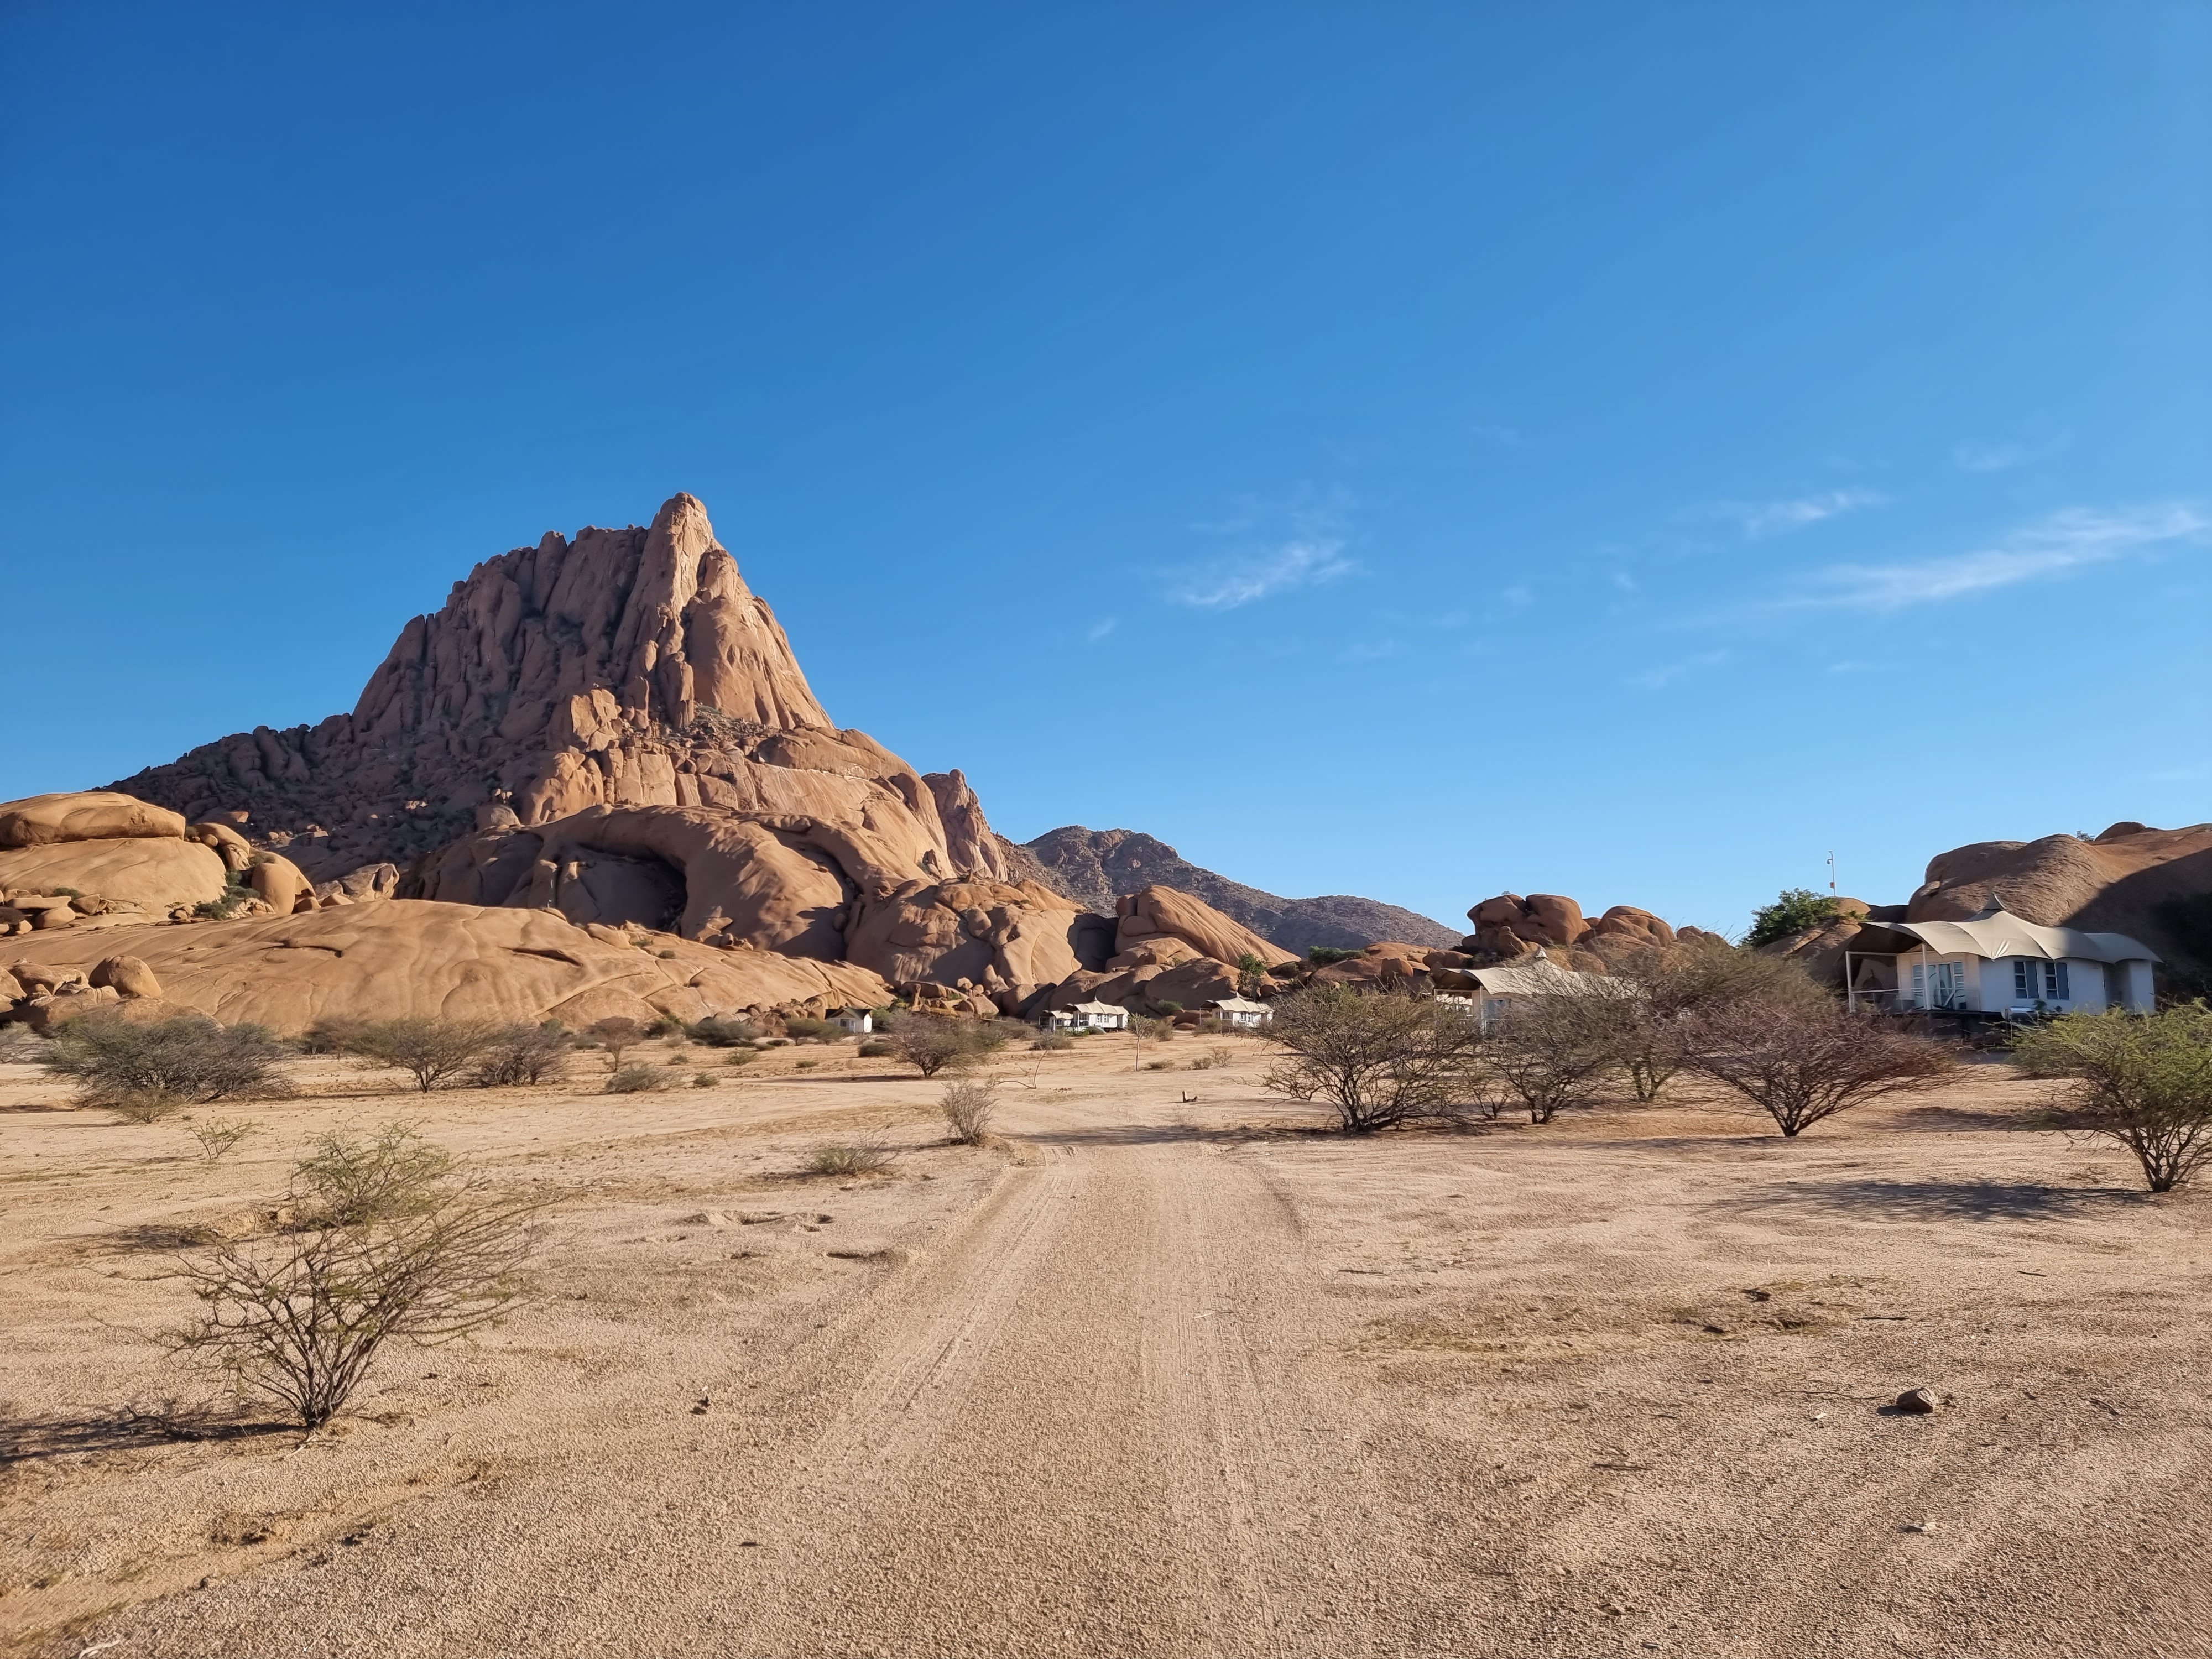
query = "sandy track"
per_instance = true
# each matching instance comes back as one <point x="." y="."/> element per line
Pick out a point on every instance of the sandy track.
<point x="1155" y="1379"/>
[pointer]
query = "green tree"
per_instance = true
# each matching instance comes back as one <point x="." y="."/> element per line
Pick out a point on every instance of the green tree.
<point x="1794" y="910"/>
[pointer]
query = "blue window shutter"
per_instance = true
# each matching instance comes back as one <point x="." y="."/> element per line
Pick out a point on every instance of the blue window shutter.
<point x="2059" y="990"/>
<point x="2021" y="970"/>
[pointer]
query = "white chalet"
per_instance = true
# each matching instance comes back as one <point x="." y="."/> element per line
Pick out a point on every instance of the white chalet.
<point x="1089" y="1017"/>
<point x="1996" y="963"/>
<point x="1243" y="1011"/>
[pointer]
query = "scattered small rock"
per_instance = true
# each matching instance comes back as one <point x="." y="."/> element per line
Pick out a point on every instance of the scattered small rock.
<point x="1916" y="1402"/>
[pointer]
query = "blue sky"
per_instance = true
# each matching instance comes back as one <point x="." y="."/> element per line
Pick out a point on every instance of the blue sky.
<point x="1623" y="450"/>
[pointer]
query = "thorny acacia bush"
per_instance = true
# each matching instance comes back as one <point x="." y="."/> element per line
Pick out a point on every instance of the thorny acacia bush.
<point x="1378" y="1058"/>
<point x="148" y="1072"/>
<point x="936" y="1042"/>
<point x="392" y="1241"/>
<point x="1677" y="980"/>
<point x="519" y="1054"/>
<point x="616" y="1035"/>
<point x="968" y="1106"/>
<point x="428" y="1049"/>
<point x="2144" y="1080"/>
<point x="1560" y="1049"/>
<point x="220" y="1136"/>
<point x="1800" y="1065"/>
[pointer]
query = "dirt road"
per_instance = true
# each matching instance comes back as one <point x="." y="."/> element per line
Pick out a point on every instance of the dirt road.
<point x="1159" y="1379"/>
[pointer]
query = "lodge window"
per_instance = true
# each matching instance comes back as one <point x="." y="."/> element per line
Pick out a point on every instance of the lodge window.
<point x="2047" y="986"/>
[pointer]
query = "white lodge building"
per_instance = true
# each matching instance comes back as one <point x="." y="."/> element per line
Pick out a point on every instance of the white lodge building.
<point x="1997" y="963"/>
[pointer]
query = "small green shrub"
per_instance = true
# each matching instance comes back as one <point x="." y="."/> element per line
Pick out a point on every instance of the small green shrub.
<point x="220" y="1136"/>
<point x="236" y="889"/>
<point x="849" y="1159"/>
<point x="969" y="1106"/>
<point x="741" y="1056"/>
<point x="1326" y="956"/>
<point x="876" y="1048"/>
<point x="717" y="1032"/>
<point x="349" y="1181"/>
<point x="804" y="1065"/>
<point x="704" y="1080"/>
<point x="636" y="1080"/>
<point x="145" y="1073"/>
<point x="817" y="1029"/>
<point x="2144" y="1081"/>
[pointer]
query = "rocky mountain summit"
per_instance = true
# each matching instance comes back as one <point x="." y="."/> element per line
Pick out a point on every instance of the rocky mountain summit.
<point x="626" y="668"/>
<point x="1097" y="867"/>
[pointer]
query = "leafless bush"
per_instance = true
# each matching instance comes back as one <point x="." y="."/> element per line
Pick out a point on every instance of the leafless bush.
<point x="427" y="1049"/>
<point x="2142" y="1080"/>
<point x="857" y="1158"/>
<point x="1377" y="1059"/>
<point x="1800" y="1065"/>
<point x="392" y="1243"/>
<point x="1558" y="1049"/>
<point x="1655" y="990"/>
<point x="518" y="1054"/>
<point x="969" y="1106"/>
<point x="220" y="1136"/>
<point x="146" y="1072"/>
<point x="1053" y="1042"/>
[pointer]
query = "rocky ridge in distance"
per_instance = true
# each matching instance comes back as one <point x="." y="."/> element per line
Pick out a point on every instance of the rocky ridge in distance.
<point x="1095" y="868"/>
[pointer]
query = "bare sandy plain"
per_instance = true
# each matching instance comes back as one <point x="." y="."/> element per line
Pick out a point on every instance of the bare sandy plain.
<point x="1149" y="1376"/>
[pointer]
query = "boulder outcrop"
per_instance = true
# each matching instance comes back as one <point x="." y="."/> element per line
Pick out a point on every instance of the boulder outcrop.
<point x="405" y="957"/>
<point x="624" y="669"/>
<point x="1153" y="913"/>
<point x="1510" y="926"/>
<point x="129" y="855"/>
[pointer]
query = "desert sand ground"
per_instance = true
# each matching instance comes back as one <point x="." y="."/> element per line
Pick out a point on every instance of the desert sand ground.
<point x="1149" y="1376"/>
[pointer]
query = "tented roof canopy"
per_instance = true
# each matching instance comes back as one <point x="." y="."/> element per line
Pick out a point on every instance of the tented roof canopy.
<point x="1997" y="932"/>
<point x="1546" y="978"/>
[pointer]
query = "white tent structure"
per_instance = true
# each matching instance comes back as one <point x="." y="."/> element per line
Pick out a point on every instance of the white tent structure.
<point x="1999" y="963"/>
<point x="1242" y="1010"/>
<point x="1502" y="988"/>
<point x="1089" y="1017"/>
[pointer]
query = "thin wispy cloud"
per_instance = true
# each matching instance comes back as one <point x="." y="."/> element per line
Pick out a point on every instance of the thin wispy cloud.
<point x="2063" y="541"/>
<point x="2003" y="458"/>
<point x="1224" y="584"/>
<point x="1099" y="630"/>
<point x="1658" y="679"/>
<point x="1759" y="519"/>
